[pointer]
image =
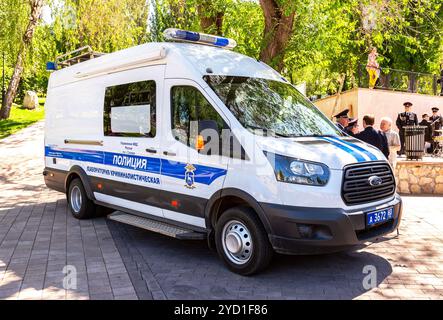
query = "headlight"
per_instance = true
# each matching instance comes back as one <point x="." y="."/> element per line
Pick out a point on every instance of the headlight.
<point x="292" y="170"/>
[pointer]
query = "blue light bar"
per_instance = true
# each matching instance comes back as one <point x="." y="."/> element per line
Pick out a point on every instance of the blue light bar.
<point x="197" y="37"/>
<point x="51" y="66"/>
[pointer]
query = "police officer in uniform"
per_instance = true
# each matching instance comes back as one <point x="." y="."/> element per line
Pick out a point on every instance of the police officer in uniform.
<point x="428" y="132"/>
<point x="352" y="128"/>
<point x="436" y="121"/>
<point x="404" y="119"/>
<point x="342" y="119"/>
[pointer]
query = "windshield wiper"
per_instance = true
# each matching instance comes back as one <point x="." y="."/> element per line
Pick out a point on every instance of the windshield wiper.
<point x="266" y="130"/>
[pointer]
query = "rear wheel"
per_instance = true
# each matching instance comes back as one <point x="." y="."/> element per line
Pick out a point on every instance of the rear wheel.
<point x="242" y="242"/>
<point x="80" y="206"/>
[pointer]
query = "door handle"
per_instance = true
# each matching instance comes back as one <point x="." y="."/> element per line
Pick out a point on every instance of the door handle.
<point x="168" y="153"/>
<point x="151" y="150"/>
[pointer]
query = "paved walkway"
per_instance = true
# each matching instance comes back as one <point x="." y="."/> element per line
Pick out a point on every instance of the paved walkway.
<point x="41" y="244"/>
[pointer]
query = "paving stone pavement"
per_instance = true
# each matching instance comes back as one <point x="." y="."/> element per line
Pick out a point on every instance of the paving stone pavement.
<point x="40" y="243"/>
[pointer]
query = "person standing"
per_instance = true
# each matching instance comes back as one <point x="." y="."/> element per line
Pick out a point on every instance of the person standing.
<point x="436" y="122"/>
<point x="393" y="140"/>
<point x="372" y="136"/>
<point x="428" y="132"/>
<point x="373" y="68"/>
<point x="352" y="128"/>
<point x="342" y="119"/>
<point x="406" y="118"/>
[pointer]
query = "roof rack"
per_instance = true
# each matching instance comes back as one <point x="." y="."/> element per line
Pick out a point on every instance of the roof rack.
<point x="77" y="56"/>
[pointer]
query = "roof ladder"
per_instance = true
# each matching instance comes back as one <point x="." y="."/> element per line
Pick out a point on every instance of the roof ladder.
<point x="77" y="56"/>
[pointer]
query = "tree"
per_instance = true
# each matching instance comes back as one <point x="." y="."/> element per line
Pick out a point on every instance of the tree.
<point x="211" y="14"/>
<point x="105" y="25"/>
<point x="279" y="21"/>
<point x="243" y="21"/>
<point x="181" y="14"/>
<point x="36" y="8"/>
<point x="416" y="42"/>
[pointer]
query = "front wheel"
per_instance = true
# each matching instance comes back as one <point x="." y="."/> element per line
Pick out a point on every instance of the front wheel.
<point x="242" y="242"/>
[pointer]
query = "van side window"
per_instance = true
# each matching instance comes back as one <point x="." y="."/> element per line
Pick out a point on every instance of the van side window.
<point x="130" y="110"/>
<point x="188" y="105"/>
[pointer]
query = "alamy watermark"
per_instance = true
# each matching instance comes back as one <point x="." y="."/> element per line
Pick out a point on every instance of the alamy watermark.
<point x="370" y="280"/>
<point x="70" y="278"/>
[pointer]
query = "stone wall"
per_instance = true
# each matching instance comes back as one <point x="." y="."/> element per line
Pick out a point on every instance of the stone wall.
<point x="419" y="177"/>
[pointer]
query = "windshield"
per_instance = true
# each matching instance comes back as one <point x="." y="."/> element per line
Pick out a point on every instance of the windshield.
<point x="261" y="104"/>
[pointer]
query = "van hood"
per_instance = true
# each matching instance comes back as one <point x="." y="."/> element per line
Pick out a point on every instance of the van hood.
<point x="335" y="152"/>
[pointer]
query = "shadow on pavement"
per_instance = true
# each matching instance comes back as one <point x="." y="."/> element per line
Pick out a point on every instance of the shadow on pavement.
<point x="190" y="270"/>
<point x="38" y="240"/>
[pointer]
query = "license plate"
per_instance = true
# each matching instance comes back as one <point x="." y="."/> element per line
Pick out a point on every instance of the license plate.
<point x="379" y="216"/>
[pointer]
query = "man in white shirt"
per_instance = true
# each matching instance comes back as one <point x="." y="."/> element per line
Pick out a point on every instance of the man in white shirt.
<point x="393" y="140"/>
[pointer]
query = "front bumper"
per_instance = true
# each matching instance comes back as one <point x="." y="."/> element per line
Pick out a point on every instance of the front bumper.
<point x="332" y="229"/>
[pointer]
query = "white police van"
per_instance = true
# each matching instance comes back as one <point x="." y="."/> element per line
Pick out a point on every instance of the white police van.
<point x="195" y="141"/>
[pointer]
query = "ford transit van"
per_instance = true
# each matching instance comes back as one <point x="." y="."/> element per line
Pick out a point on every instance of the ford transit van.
<point x="195" y="141"/>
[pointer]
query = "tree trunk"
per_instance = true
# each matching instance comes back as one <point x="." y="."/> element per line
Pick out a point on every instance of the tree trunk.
<point x="210" y="21"/>
<point x="36" y="9"/>
<point x="337" y="99"/>
<point x="278" y="31"/>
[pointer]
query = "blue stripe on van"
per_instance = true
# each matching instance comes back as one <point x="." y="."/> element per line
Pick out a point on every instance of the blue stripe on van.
<point x="203" y="174"/>
<point x="354" y="145"/>
<point x="75" y="154"/>
<point x="353" y="153"/>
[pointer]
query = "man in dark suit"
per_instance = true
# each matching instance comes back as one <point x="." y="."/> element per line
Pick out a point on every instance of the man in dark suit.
<point x="404" y="119"/>
<point x="372" y="136"/>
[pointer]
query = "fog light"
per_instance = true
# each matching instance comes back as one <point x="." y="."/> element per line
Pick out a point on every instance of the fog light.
<point x="305" y="230"/>
<point x="315" y="232"/>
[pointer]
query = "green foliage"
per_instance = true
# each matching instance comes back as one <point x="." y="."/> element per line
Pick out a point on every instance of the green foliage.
<point x="20" y="118"/>
<point x="180" y="14"/>
<point x="13" y="19"/>
<point x="105" y="25"/>
<point x="244" y="22"/>
<point x="330" y="37"/>
<point x="334" y="37"/>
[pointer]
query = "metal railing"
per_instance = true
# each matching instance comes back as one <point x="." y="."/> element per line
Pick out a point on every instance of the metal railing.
<point x="76" y="56"/>
<point x="401" y="80"/>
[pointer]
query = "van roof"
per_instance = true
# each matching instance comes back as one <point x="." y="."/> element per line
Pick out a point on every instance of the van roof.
<point x="182" y="60"/>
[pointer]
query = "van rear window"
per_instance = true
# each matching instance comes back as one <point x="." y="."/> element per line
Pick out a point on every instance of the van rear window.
<point x="130" y="110"/>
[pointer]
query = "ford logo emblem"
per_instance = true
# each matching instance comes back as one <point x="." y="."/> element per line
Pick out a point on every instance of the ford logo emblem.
<point x="375" y="181"/>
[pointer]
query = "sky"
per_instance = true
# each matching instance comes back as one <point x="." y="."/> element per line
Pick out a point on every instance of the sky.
<point x="46" y="14"/>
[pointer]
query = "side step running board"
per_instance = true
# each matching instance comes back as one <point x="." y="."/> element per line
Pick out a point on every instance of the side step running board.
<point x="156" y="226"/>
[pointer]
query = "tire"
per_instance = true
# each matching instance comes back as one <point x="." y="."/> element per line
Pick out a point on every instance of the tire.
<point x="242" y="242"/>
<point x="80" y="205"/>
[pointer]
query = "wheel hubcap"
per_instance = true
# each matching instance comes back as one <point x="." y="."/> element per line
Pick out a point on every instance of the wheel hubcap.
<point x="233" y="243"/>
<point x="76" y="199"/>
<point x="237" y="242"/>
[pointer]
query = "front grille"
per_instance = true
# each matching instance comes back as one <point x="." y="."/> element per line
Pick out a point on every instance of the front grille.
<point x="356" y="188"/>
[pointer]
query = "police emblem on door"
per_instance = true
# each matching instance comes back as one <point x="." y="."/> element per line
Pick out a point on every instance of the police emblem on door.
<point x="190" y="176"/>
